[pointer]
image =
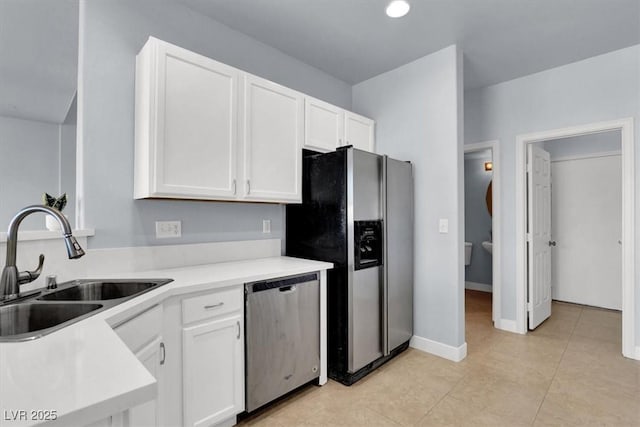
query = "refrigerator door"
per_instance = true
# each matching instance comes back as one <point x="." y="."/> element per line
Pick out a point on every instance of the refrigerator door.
<point x="366" y="171"/>
<point x="397" y="315"/>
<point x="364" y="318"/>
<point x="364" y="179"/>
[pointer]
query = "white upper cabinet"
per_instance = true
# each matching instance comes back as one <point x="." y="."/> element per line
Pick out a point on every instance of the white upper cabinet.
<point x="328" y="127"/>
<point x="323" y="125"/>
<point x="186" y="124"/>
<point x="271" y="133"/>
<point x="358" y="131"/>
<point x="205" y="130"/>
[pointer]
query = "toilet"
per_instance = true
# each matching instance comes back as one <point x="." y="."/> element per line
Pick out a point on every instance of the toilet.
<point x="467" y="252"/>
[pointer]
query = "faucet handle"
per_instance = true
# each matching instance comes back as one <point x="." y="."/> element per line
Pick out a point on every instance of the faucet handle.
<point x="30" y="276"/>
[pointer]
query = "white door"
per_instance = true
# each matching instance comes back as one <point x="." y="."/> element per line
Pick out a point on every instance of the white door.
<point x="196" y="125"/>
<point x="323" y="125"/>
<point x="586" y="218"/>
<point x="148" y="413"/>
<point x="272" y="135"/>
<point x="359" y="131"/>
<point x="539" y="235"/>
<point x="213" y="372"/>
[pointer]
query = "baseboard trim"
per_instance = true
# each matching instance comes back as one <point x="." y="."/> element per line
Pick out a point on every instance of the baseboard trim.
<point x="637" y="353"/>
<point x="477" y="286"/>
<point x="507" y="325"/>
<point x="455" y="354"/>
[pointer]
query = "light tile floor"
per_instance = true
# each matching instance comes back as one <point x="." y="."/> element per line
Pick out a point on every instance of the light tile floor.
<point x="569" y="371"/>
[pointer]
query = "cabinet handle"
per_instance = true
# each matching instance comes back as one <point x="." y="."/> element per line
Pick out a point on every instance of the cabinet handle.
<point x="209" y="307"/>
<point x="238" y="323"/>
<point x="248" y="186"/>
<point x="164" y="353"/>
<point x="234" y="187"/>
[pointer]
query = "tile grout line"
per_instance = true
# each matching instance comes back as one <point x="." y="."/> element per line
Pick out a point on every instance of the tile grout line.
<point x="442" y="398"/>
<point x="452" y="387"/>
<point x="558" y="366"/>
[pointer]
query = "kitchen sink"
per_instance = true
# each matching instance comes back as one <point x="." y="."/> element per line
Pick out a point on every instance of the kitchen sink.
<point x="20" y="321"/>
<point x="46" y="311"/>
<point x="100" y="290"/>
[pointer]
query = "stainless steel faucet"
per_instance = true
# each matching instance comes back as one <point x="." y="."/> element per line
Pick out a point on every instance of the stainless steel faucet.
<point x="11" y="278"/>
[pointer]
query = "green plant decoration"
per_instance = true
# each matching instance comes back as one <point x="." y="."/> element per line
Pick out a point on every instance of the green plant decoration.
<point x="58" y="203"/>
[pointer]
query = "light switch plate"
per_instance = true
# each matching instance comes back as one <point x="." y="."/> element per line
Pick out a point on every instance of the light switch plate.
<point x="443" y="225"/>
<point x="168" y="229"/>
<point x="266" y="226"/>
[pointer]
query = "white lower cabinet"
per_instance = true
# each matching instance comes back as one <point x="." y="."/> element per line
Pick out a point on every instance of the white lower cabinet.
<point x="148" y="414"/>
<point x="194" y="347"/>
<point x="213" y="357"/>
<point x="143" y="335"/>
<point x="213" y="369"/>
<point x="116" y="420"/>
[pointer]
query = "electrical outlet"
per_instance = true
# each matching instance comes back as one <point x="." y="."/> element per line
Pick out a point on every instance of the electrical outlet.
<point x="443" y="225"/>
<point x="266" y="226"/>
<point x="168" y="229"/>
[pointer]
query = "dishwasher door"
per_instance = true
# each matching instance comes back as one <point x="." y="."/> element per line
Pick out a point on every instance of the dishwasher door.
<point x="282" y="336"/>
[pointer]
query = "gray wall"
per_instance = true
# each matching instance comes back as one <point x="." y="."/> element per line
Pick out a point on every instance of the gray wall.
<point x="29" y="162"/>
<point x="418" y="113"/>
<point x="582" y="145"/>
<point x="604" y="87"/>
<point x="111" y="34"/>
<point x="477" y="221"/>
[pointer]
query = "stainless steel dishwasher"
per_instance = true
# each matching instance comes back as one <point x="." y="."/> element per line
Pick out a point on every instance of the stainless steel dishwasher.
<point x="282" y="336"/>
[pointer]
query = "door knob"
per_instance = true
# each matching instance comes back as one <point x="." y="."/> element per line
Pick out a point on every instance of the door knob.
<point x="552" y="242"/>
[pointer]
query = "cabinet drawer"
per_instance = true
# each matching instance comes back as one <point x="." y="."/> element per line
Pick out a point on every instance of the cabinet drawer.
<point x="142" y="329"/>
<point x="212" y="305"/>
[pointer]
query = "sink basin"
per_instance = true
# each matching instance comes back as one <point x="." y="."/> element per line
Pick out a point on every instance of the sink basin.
<point x="20" y="321"/>
<point x="488" y="246"/>
<point x="33" y="316"/>
<point x="100" y="290"/>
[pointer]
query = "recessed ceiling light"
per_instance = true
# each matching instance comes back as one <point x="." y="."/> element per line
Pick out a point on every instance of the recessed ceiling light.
<point x="398" y="8"/>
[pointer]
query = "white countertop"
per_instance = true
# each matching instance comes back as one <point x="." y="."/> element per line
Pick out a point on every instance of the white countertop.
<point x="85" y="372"/>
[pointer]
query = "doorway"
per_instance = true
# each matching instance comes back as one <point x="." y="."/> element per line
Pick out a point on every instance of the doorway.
<point x="525" y="240"/>
<point x="485" y="237"/>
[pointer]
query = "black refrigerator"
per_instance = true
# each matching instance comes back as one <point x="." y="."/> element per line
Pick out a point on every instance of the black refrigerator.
<point x="357" y="212"/>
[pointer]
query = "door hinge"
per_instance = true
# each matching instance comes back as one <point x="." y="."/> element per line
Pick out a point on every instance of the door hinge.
<point x="528" y="237"/>
<point x="529" y="306"/>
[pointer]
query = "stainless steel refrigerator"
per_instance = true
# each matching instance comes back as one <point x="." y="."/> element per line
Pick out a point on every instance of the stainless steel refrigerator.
<point x="357" y="212"/>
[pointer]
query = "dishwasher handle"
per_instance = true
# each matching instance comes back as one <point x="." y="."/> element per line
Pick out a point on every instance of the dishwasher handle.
<point x="285" y="284"/>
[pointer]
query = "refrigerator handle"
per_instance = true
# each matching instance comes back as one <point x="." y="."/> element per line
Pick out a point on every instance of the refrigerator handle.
<point x="385" y="276"/>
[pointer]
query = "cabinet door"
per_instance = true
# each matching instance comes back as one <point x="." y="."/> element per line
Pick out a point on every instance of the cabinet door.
<point x="213" y="371"/>
<point x="196" y="127"/>
<point x="323" y="125"/>
<point x="272" y="132"/>
<point x="359" y="131"/>
<point x="148" y="413"/>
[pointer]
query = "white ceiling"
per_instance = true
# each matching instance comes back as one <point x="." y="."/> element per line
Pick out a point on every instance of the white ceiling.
<point x="349" y="39"/>
<point x="501" y="39"/>
<point x="38" y="58"/>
